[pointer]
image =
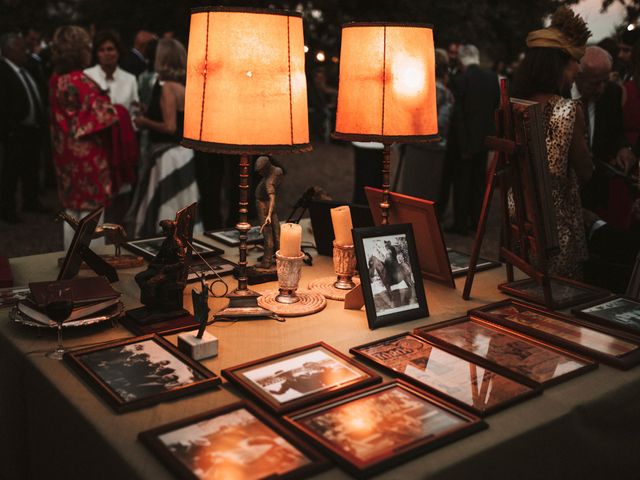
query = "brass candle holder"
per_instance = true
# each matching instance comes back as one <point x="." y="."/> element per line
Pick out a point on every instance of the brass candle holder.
<point x="289" y="271"/>
<point x="344" y="264"/>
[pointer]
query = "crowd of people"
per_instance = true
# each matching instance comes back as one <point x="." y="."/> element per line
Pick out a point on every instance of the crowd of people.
<point x="104" y="124"/>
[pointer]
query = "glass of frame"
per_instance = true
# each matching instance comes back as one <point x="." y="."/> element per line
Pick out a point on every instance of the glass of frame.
<point x="231" y="236"/>
<point x="460" y="263"/>
<point x="458" y="381"/>
<point x="506" y="351"/>
<point x="296" y="378"/>
<point x="621" y="313"/>
<point x="597" y="342"/>
<point x="565" y="293"/>
<point x="237" y="441"/>
<point x="140" y="371"/>
<point x="377" y="428"/>
<point x="390" y="274"/>
<point x="149" y="247"/>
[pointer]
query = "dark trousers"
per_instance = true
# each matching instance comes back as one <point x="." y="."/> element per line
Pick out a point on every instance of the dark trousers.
<point x="210" y="168"/>
<point x="368" y="172"/>
<point x="20" y="163"/>
<point x="468" y="189"/>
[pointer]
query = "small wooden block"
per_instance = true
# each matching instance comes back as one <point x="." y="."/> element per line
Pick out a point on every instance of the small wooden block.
<point x="198" y="348"/>
<point x="310" y="302"/>
<point x="324" y="286"/>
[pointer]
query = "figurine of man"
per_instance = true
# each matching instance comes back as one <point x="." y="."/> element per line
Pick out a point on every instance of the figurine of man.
<point x="265" y="203"/>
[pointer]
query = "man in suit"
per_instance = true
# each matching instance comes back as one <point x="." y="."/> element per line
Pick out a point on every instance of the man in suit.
<point x="477" y="95"/>
<point x="602" y="106"/>
<point x="135" y="60"/>
<point x="21" y="126"/>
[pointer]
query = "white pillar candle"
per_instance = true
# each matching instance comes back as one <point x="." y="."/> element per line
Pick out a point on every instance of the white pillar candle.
<point x="342" y="226"/>
<point x="290" y="239"/>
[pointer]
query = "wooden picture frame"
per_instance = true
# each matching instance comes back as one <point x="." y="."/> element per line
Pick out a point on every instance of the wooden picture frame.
<point x="460" y="267"/>
<point x="111" y="371"/>
<point x="458" y="381"/>
<point x="422" y="215"/>
<point x="510" y="353"/>
<point x="181" y="444"/>
<point x="149" y="247"/>
<point x="401" y="422"/>
<point x="304" y="375"/>
<point x="617" y="312"/>
<point x="386" y="300"/>
<point x="565" y="292"/>
<point x="633" y="290"/>
<point x="231" y="236"/>
<point x="592" y="340"/>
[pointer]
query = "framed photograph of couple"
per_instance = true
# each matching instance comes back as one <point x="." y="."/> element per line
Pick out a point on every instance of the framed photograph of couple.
<point x="510" y="353"/>
<point x="140" y="371"/>
<point x="390" y="275"/>
<point x="600" y="343"/>
<point x="235" y="441"/>
<point x="371" y="430"/>
<point x="299" y="377"/>
<point x="461" y="382"/>
<point x="619" y="312"/>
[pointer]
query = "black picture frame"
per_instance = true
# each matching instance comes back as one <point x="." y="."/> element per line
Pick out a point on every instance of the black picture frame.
<point x="149" y="247"/>
<point x="595" y="312"/>
<point x="512" y="354"/>
<point x="459" y="262"/>
<point x="388" y="306"/>
<point x="633" y="289"/>
<point x="603" y="344"/>
<point x="243" y="418"/>
<point x="403" y="421"/>
<point x="293" y="366"/>
<point x="125" y="394"/>
<point x="565" y="292"/>
<point x="231" y="236"/>
<point x="408" y="357"/>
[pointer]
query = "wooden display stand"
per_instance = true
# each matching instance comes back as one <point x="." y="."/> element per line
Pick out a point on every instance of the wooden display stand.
<point x="519" y="167"/>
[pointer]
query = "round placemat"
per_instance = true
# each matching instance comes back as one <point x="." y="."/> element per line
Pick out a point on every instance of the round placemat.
<point x="324" y="286"/>
<point x="310" y="302"/>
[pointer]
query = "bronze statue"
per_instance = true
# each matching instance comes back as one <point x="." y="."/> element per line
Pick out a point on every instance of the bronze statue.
<point x="266" y="192"/>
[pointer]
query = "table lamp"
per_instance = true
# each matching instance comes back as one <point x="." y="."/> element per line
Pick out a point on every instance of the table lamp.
<point x="387" y="89"/>
<point x="246" y="94"/>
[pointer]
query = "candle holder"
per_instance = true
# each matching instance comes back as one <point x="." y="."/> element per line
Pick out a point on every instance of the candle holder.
<point x="289" y="271"/>
<point x="344" y="264"/>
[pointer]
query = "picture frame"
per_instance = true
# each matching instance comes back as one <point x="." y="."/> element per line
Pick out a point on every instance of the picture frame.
<point x="140" y="371"/>
<point x="461" y="382"/>
<point x="220" y="266"/>
<point x="618" y="312"/>
<point x="303" y="376"/>
<point x="184" y="445"/>
<point x="592" y="340"/>
<point x="231" y="236"/>
<point x="633" y="289"/>
<point x="149" y="247"/>
<point x="510" y="353"/>
<point x="423" y="217"/>
<point x="566" y="293"/>
<point x="371" y="430"/>
<point x="459" y="262"/>
<point x="387" y="259"/>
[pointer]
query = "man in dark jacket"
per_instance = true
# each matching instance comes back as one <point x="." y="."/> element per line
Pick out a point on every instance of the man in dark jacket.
<point x="21" y="126"/>
<point x="477" y="95"/>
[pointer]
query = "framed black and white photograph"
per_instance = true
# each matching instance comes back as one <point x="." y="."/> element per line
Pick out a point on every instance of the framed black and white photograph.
<point x="149" y="247"/>
<point x="296" y="378"/>
<point x="380" y="427"/>
<point x="460" y="263"/>
<point x="231" y="236"/>
<point x="390" y="274"/>
<point x="238" y="441"/>
<point x="622" y="313"/>
<point x="140" y="371"/>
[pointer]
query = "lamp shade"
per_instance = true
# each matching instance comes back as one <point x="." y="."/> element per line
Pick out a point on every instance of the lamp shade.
<point x="387" y="89"/>
<point x="246" y="88"/>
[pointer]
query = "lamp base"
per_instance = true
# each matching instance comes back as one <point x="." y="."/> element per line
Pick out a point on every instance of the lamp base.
<point x="243" y="305"/>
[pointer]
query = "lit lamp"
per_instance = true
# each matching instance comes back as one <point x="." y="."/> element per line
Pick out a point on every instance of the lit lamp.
<point x="246" y="94"/>
<point x="387" y="89"/>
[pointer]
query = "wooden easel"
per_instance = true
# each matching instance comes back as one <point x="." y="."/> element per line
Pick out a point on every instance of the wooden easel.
<point x="526" y="234"/>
